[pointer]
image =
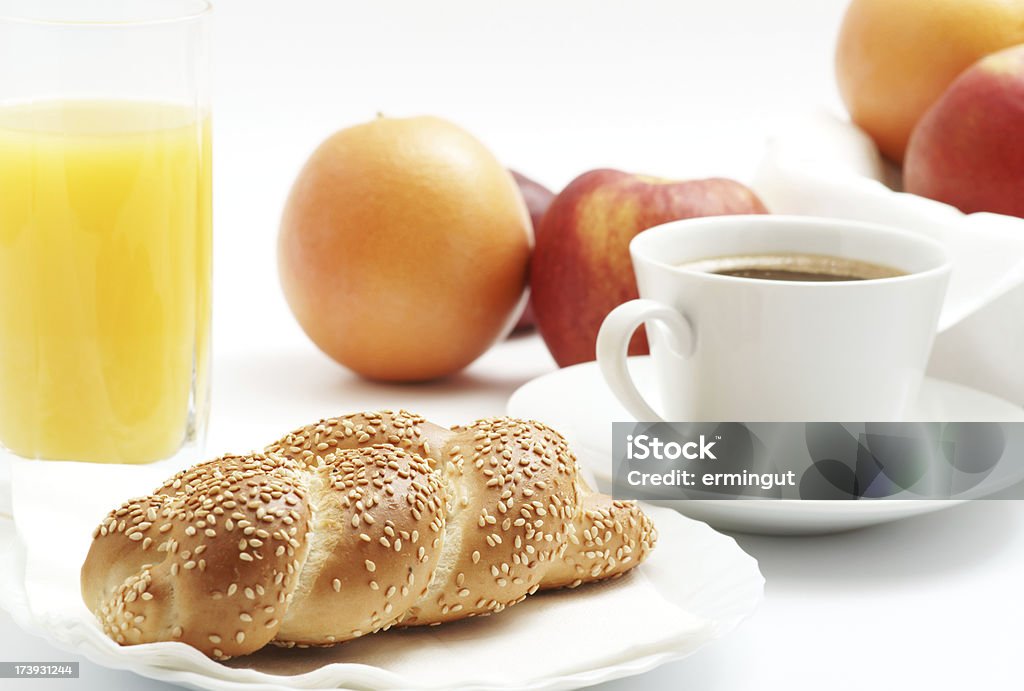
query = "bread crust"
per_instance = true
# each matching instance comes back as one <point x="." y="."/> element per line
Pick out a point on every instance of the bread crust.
<point x="210" y="558"/>
<point x="353" y="525"/>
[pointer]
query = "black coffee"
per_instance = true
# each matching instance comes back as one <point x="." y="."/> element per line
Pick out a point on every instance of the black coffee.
<point x="793" y="267"/>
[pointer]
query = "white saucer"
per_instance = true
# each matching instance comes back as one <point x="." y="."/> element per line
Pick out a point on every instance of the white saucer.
<point x="576" y="401"/>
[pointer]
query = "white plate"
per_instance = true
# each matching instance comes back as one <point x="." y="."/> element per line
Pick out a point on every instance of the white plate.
<point x="701" y="571"/>
<point x="576" y="401"/>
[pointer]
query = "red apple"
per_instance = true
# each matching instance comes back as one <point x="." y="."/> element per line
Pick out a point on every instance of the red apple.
<point x="968" y="149"/>
<point x="581" y="268"/>
<point x="538" y="198"/>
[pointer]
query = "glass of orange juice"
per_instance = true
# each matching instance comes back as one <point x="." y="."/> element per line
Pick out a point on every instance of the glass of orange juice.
<point x="105" y="228"/>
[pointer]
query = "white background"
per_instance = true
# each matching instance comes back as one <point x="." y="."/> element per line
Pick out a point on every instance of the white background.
<point x="679" y="88"/>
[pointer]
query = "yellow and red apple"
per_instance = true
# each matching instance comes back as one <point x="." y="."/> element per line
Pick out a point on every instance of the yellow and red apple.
<point x="968" y="149"/>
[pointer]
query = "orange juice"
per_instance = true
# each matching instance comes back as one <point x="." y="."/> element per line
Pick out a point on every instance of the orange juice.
<point x="105" y="241"/>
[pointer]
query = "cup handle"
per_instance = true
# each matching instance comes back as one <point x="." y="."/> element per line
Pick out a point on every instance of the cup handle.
<point x="613" y="346"/>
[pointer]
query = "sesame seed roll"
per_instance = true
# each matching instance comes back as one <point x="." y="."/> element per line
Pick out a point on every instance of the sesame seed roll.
<point x="353" y="525"/>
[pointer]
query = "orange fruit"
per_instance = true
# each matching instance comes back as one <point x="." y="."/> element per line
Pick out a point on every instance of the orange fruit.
<point x="894" y="58"/>
<point x="404" y="248"/>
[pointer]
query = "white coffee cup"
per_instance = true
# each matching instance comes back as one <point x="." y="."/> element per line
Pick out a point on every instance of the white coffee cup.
<point x="727" y="348"/>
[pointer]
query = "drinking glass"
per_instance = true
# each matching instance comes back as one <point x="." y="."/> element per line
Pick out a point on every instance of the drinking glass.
<point x="105" y="228"/>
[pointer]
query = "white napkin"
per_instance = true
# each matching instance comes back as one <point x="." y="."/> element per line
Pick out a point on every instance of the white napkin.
<point x="57" y="505"/>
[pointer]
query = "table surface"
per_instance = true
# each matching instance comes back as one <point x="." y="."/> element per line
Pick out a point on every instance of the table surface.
<point x="682" y="88"/>
<point x="932" y="602"/>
